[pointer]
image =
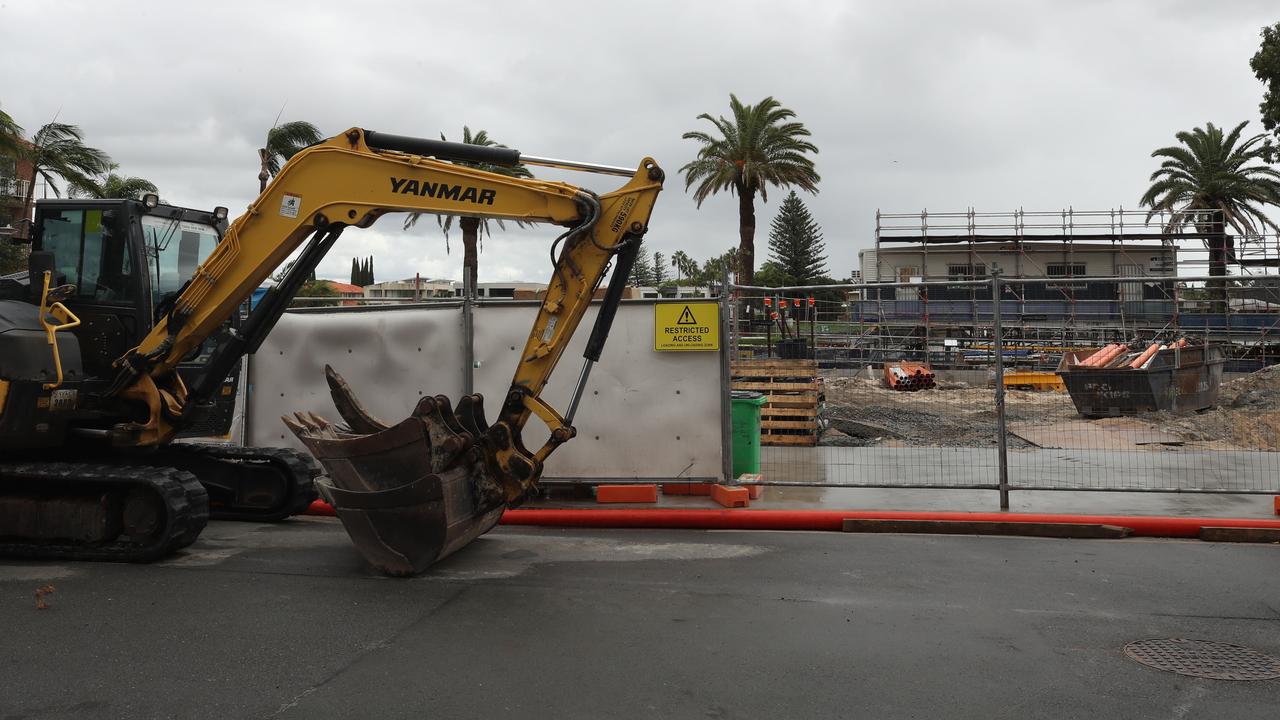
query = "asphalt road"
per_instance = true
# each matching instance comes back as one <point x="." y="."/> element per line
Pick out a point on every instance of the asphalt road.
<point x="284" y="621"/>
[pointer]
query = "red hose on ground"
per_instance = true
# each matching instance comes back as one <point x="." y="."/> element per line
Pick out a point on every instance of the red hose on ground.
<point x="831" y="520"/>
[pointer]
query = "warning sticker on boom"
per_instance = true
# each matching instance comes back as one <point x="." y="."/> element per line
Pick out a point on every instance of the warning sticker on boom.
<point x="289" y="205"/>
<point x="686" y="326"/>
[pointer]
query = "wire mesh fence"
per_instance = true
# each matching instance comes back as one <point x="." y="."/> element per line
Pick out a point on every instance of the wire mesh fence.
<point x="1130" y="383"/>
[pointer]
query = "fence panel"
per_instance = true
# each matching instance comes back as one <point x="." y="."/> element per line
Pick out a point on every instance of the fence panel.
<point x="948" y="435"/>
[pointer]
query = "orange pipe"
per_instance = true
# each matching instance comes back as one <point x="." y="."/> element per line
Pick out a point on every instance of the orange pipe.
<point x="1145" y="356"/>
<point x="1105" y="355"/>
<point x="832" y="520"/>
<point x="1089" y="361"/>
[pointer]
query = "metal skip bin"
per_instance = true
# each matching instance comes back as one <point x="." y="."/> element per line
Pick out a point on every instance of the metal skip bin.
<point x="1176" y="379"/>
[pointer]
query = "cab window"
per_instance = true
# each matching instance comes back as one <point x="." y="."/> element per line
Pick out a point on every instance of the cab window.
<point x="96" y="262"/>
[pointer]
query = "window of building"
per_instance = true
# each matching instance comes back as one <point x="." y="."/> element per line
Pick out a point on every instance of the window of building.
<point x="1066" y="270"/>
<point x="965" y="271"/>
<point x="508" y="293"/>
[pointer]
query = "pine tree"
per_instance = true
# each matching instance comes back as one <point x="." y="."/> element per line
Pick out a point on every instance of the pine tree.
<point x="642" y="271"/>
<point x="370" y="278"/>
<point x="795" y="243"/>
<point x="659" y="268"/>
<point x="355" y="272"/>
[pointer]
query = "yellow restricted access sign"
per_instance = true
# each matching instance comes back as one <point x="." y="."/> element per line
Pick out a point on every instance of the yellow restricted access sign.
<point x="686" y="326"/>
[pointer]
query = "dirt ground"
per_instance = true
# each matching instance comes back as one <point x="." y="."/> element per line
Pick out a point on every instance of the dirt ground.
<point x="861" y="412"/>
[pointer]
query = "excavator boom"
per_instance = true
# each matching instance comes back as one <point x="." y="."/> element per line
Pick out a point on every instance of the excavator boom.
<point x="411" y="492"/>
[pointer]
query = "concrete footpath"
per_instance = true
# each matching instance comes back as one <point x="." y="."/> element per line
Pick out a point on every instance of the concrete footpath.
<point x="284" y="621"/>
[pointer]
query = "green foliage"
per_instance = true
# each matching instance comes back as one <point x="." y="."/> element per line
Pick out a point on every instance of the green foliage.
<point x="642" y="270"/>
<point x="314" y="288"/>
<point x="11" y="134"/>
<point x="1209" y="171"/>
<point x="13" y="256"/>
<point x="286" y="140"/>
<point x="771" y="274"/>
<point x="110" y="186"/>
<point x="761" y="146"/>
<point x="686" y="267"/>
<point x="713" y="269"/>
<point x="659" y="268"/>
<point x="795" y="243"/>
<point x="362" y="271"/>
<point x="1266" y="67"/>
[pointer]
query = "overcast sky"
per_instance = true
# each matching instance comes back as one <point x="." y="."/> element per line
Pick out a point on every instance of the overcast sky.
<point x="938" y="105"/>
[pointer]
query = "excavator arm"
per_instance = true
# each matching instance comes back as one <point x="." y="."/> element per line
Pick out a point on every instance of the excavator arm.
<point x="352" y="180"/>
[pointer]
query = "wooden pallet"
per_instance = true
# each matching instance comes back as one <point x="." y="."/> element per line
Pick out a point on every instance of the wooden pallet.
<point x="790" y="413"/>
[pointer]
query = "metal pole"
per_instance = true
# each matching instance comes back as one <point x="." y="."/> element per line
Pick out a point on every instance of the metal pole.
<point x="997" y="345"/>
<point x="726" y="343"/>
<point x="468" y="336"/>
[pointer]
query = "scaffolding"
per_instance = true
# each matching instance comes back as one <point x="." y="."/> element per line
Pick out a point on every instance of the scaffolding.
<point x="1161" y="280"/>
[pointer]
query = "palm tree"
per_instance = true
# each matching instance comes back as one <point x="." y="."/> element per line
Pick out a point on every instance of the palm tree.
<point x="1207" y="182"/>
<point x="10" y="136"/>
<point x="58" y="150"/>
<point x="473" y="228"/>
<point x="685" y="266"/>
<point x="759" y="147"/>
<point x="283" y="142"/>
<point x="111" y="186"/>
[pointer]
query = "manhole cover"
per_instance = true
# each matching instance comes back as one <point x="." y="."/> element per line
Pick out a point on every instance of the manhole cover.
<point x="1201" y="658"/>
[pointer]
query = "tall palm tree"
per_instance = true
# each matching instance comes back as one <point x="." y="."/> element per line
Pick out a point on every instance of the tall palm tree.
<point x="1208" y="182"/>
<point x="686" y="267"/>
<point x="760" y="146"/>
<point x="473" y="228"/>
<point x="283" y="142"/>
<point x="111" y="186"/>
<point x="57" y="150"/>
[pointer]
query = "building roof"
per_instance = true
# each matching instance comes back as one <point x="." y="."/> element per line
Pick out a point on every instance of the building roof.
<point x="347" y="288"/>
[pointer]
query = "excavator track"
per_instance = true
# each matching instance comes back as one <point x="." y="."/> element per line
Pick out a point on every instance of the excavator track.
<point x="256" y="484"/>
<point x="90" y="511"/>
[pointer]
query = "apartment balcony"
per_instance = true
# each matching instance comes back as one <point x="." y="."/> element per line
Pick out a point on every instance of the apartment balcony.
<point x="13" y="188"/>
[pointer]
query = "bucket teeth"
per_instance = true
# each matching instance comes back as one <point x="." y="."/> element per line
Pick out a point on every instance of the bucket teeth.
<point x="470" y="414"/>
<point x="411" y="493"/>
<point x="349" y="407"/>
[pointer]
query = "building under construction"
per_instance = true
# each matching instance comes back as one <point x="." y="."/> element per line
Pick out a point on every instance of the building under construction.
<point x="1073" y="278"/>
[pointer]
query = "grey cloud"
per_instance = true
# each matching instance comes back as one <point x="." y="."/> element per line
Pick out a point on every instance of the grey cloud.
<point x="913" y="104"/>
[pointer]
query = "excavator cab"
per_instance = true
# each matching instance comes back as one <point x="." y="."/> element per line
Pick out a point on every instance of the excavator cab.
<point x="122" y="261"/>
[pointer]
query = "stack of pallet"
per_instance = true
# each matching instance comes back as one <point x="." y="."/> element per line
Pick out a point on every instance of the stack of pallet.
<point x="790" y="413"/>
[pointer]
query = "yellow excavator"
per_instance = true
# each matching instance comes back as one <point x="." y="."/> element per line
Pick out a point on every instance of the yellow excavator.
<point x="90" y="465"/>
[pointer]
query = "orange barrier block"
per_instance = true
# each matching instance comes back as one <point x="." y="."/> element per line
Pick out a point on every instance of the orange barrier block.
<point x="1278" y="504"/>
<point x="730" y="497"/>
<point x="626" y="493"/>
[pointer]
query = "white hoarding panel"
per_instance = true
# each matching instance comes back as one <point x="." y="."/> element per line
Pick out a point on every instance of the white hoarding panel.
<point x="644" y="414"/>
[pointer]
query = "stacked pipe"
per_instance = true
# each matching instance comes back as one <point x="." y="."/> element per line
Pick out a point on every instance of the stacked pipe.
<point x="908" y="376"/>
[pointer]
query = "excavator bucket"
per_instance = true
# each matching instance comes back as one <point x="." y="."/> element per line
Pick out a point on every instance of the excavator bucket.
<point x="411" y="493"/>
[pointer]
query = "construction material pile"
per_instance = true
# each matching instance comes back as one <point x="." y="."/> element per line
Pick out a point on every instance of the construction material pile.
<point x="907" y="376"/>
